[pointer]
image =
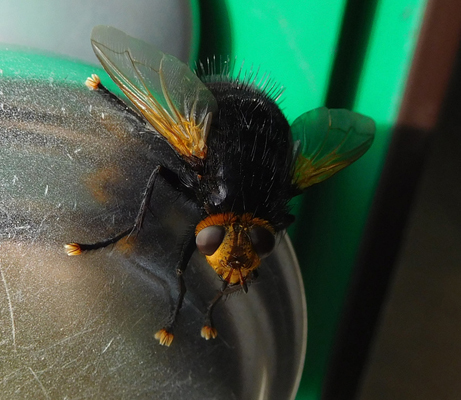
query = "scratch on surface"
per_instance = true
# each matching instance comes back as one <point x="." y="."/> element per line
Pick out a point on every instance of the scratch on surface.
<point x="68" y="338"/>
<point x="108" y="345"/>
<point x="138" y="321"/>
<point x="40" y="383"/>
<point x="10" y="306"/>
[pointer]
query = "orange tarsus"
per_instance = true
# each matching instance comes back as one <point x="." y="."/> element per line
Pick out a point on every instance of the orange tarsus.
<point x="208" y="332"/>
<point x="164" y="337"/>
<point x="93" y="82"/>
<point x="73" y="249"/>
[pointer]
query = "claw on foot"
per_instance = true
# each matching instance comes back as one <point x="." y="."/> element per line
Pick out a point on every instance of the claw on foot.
<point x="93" y="82"/>
<point x="164" y="337"/>
<point x="208" y="332"/>
<point x="73" y="249"/>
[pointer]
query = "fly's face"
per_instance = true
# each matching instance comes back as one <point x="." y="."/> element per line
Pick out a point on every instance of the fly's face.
<point x="234" y="244"/>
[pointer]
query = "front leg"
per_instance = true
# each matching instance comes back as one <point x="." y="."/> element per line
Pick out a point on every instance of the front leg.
<point x="165" y="335"/>
<point x="208" y="330"/>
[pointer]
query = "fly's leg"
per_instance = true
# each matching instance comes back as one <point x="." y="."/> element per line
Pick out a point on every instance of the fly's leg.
<point x="165" y="335"/>
<point x="208" y="330"/>
<point x="94" y="83"/>
<point x="74" y="249"/>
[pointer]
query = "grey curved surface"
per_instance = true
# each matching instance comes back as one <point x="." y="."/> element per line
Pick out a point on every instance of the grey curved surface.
<point x="73" y="168"/>
<point x="64" y="27"/>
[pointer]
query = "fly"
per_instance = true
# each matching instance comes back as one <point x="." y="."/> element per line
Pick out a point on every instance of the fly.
<point x="241" y="161"/>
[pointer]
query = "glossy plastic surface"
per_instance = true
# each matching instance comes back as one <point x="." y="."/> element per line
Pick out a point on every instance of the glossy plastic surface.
<point x="73" y="167"/>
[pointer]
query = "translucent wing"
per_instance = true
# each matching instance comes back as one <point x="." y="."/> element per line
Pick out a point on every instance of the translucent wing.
<point x="169" y="95"/>
<point x="329" y="140"/>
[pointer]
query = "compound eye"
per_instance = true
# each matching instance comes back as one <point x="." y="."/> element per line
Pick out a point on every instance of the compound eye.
<point x="263" y="241"/>
<point x="209" y="239"/>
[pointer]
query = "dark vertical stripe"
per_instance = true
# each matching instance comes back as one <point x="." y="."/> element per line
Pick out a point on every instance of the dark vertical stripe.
<point x="354" y="36"/>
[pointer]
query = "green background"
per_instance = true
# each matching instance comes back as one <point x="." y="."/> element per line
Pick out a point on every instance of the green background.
<point x="356" y="55"/>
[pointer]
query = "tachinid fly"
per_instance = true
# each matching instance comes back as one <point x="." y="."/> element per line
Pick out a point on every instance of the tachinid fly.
<point x="241" y="161"/>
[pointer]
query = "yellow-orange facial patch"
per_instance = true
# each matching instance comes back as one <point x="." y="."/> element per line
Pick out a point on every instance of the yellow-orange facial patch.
<point x="235" y="258"/>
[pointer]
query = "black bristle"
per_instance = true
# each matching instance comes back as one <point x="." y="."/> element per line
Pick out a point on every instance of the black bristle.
<point x="225" y="70"/>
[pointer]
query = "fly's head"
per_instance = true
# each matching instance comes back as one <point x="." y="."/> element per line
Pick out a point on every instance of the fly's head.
<point x="234" y="245"/>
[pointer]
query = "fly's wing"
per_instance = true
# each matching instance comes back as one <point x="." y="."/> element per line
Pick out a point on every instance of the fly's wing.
<point x="329" y="140"/>
<point x="169" y="95"/>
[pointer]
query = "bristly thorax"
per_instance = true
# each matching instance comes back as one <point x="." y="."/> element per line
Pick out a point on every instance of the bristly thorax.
<point x="250" y="155"/>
